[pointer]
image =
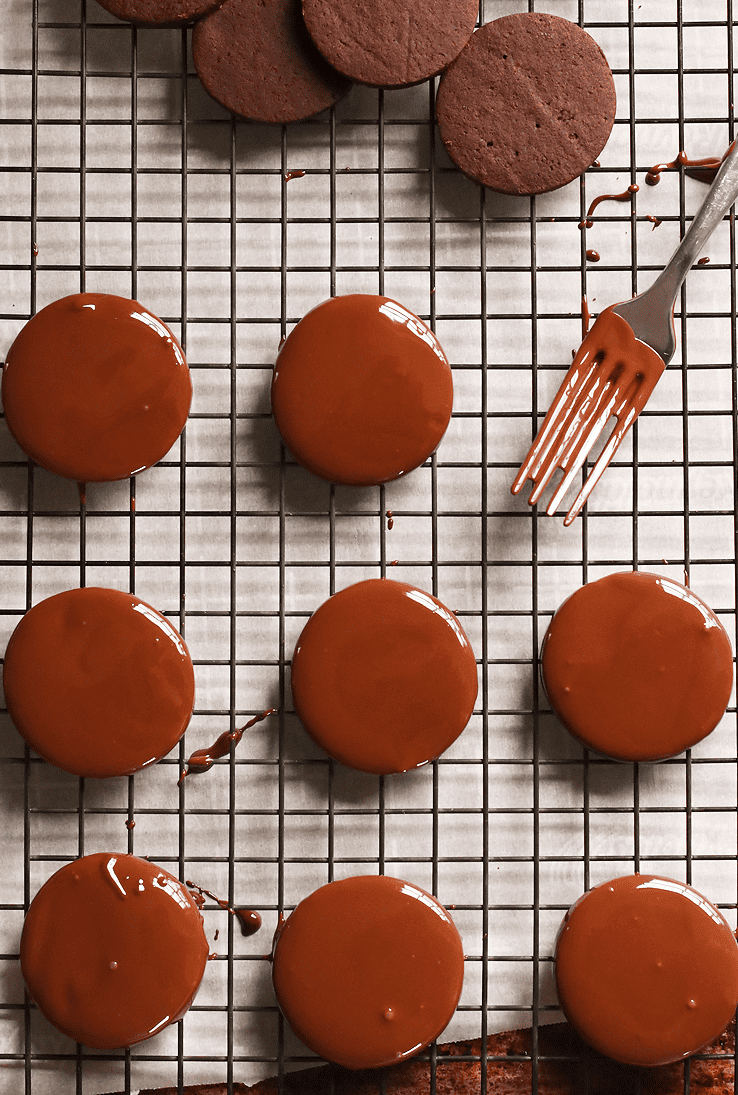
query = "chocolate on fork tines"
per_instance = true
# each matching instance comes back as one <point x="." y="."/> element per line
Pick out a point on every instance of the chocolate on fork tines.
<point x="617" y="366"/>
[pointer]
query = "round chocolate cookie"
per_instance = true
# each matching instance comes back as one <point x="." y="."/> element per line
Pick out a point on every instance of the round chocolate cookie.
<point x="527" y="105"/>
<point x="256" y="59"/>
<point x="390" y="43"/>
<point x="113" y="950"/>
<point x="384" y="678"/>
<point x="362" y="391"/>
<point x="368" y="970"/>
<point x="96" y="388"/>
<point x="98" y="682"/>
<point x="646" y="970"/>
<point x="159" y="13"/>
<point x="637" y="667"/>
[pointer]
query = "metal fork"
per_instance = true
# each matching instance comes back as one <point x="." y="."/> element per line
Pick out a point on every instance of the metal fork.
<point x="618" y="364"/>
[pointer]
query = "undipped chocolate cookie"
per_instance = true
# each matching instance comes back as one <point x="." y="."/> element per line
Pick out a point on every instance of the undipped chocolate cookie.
<point x="256" y="59"/>
<point x="390" y="43"/>
<point x="527" y="105"/>
<point x="159" y="13"/>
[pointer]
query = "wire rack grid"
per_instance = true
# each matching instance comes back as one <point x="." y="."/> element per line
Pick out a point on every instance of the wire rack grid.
<point x="120" y="175"/>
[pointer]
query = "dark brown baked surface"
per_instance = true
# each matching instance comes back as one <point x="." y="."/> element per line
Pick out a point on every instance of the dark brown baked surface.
<point x="565" y="1067"/>
<point x="528" y="104"/>
<point x="390" y="43"/>
<point x="256" y="59"/>
<point x="164" y="13"/>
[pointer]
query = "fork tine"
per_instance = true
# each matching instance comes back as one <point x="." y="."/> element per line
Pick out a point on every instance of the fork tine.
<point x="583" y="418"/>
<point x="574" y="382"/>
<point x="581" y="446"/>
<point x="633" y="402"/>
<point x="603" y="460"/>
<point x="569" y="429"/>
<point x="612" y="375"/>
<point x="607" y="395"/>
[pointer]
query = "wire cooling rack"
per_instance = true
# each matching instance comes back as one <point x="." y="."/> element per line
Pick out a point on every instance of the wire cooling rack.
<point x="119" y="174"/>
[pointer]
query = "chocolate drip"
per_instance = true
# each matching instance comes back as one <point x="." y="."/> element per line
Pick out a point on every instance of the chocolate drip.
<point x="204" y="759"/>
<point x="624" y="197"/>
<point x="586" y="317"/>
<point x="703" y="170"/>
<point x="248" y="919"/>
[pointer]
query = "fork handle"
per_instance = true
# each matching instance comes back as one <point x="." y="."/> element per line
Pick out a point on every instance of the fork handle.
<point x="721" y="195"/>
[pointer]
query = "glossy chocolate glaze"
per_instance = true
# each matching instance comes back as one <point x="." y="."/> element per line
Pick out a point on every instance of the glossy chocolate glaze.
<point x="98" y="682"/>
<point x="362" y="391"/>
<point x="113" y="950"/>
<point x="637" y="667"/>
<point x="383" y="677"/>
<point x="95" y="387"/>
<point x="368" y="970"/>
<point x="646" y="970"/>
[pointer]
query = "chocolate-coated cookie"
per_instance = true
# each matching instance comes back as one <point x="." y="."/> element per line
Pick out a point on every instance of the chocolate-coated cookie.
<point x="159" y="13"/>
<point x="390" y="43"/>
<point x="95" y="388"/>
<point x="362" y="391"/>
<point x="256" y="59"/>
<point x="527" y="105"/>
